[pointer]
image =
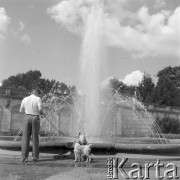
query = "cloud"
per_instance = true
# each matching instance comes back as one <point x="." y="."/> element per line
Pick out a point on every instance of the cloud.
<point x="20" y="34"/>
<point x="159" y="4"/>
<point x="70" y="14"/>
<point x="134" y="78"/>
<point x="21" y="26"/>
<point x="4" y="22"/>
<point x="25" y="38"/>
<point x="73" y="14"/>
<point x="138" y="33"/>
<point x="152" y="35"/>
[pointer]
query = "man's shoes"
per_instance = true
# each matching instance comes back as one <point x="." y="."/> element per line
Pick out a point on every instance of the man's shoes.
<point x="25" y="161"/>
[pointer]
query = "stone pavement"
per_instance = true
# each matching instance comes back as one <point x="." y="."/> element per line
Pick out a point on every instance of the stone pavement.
<point x="50" y="166"/>
<point x="55" y="166"/>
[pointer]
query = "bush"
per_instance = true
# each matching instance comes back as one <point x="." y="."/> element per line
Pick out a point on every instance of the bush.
<point x="167" y="136"/>
<point x="168" y="125"/>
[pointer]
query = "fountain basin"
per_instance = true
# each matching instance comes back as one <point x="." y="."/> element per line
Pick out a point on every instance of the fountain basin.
<point x="122" y="145"/>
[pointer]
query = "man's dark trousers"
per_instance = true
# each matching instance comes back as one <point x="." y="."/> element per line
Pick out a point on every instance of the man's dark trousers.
<point x="31" y="126"/>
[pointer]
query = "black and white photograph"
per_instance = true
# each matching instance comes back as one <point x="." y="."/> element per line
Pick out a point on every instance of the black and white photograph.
<point x="89" y="89"/>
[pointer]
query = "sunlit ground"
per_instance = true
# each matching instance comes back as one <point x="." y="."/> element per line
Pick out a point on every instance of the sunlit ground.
<point x="54" y="166"/>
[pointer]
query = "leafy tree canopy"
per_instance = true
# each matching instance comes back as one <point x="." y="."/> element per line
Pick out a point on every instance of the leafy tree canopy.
<point x="146" y="88"/>
<point x="117" y="86"/>
<point x="167" y="90"/>
<point x="173" y="73"/>
<point x="28" y="81"/>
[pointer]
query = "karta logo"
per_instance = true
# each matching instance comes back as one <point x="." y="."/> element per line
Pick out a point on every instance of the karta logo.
<point x="116" y="169"/>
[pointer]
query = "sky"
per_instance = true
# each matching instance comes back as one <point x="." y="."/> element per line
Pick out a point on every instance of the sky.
<point x="140" y="36"/>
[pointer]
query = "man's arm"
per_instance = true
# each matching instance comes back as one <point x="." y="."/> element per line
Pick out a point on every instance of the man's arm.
<point x="39" y="104"/>
<point x="22" y="109"/>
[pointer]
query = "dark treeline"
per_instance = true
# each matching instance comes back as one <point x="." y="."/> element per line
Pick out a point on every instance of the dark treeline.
<point x="27" y="81"/>
<point x="165" y="92"/>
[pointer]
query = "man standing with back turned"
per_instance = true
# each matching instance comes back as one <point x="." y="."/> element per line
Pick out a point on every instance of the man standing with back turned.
<point x="31" y="107"/>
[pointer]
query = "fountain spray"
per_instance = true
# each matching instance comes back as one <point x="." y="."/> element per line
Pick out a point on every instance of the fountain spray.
<point x="91" y="57"/>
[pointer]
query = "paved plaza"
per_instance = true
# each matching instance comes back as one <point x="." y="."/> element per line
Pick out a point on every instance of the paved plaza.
<point x="55" y="166"/>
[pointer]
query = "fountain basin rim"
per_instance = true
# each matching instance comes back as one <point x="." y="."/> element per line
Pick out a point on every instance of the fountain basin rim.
<point x="111" y="147"/>
<point x="123" y="140"/>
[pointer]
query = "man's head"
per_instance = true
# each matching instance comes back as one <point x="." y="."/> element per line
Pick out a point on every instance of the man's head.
<point x="37" y="91"/>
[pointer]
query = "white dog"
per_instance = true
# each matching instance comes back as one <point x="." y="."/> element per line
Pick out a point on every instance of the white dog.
<point x="82" y="138"/>
<point x="87" y="152"/>
<point x="81" y="151"/>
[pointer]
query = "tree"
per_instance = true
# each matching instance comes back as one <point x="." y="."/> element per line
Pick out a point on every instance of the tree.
<point x="45" y="85"/>
<point x="172" y="73"/>
<point x="167" y="90"/>
<point x="167" y="125"/>
<point x="166" y="93"/>
<point x="146" y="88"/>
<point x="118" y="86"/>
<point x="28" y="81"/>
<point x="60" y="89"/>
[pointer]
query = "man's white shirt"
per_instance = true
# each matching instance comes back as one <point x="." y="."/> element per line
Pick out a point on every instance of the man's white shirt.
<point x="31" y="105"/>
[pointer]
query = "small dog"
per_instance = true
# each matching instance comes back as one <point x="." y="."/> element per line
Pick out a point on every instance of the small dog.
<point x="81" y="149"/>
<point x="82" y="138"/>
<point x="87" y="152"/>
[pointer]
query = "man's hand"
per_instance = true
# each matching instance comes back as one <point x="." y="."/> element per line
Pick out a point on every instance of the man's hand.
<point x="42" y="114"/>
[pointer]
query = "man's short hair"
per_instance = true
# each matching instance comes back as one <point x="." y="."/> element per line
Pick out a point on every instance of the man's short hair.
<point x="37" y="90"/>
